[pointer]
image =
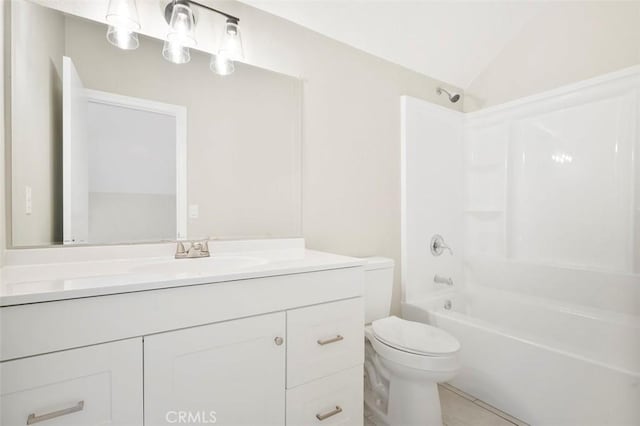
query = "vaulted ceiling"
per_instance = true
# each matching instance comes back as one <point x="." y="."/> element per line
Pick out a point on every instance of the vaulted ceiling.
<point x="450" y="40"/>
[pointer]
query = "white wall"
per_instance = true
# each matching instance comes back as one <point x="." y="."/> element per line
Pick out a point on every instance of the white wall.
<point x="564" y="43"/>
<point x="36" y="160"/>
<point x="3" y="198"/>
<point x="432" y="195"/>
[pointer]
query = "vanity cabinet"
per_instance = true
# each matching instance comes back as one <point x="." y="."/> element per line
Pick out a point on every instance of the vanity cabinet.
<point x="95" y="385"/>
<point x="229" y="353"/>
<point x="230" y="373"/>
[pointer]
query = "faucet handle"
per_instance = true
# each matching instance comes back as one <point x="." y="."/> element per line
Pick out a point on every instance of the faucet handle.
<point x="196" y="249"/>
<point x="180" y="251"/>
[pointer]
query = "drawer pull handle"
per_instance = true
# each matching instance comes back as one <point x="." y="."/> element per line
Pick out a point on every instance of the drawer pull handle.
<point x="52" y="415"/>
<point x="331" y="413"/>
<point x="332" y="340"/>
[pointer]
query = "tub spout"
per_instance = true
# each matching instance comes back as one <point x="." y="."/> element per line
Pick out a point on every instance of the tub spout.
<point x="442" y="280"/>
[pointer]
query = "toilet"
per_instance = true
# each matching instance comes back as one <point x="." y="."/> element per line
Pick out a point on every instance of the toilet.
<point x="404" y="360"/>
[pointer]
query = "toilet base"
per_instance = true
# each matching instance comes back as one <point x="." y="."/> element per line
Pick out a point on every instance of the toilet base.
<point x="395" y="394"/>
<point x="411" y="403"/>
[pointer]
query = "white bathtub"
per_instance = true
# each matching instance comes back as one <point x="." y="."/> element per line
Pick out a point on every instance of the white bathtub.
<point x="539" y="358"/>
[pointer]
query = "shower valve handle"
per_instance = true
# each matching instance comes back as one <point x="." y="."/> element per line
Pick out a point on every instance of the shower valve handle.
<point x="438" y="245"/>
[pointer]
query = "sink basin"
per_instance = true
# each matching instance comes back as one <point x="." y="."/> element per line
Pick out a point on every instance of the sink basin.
<point x="203" y="266"/>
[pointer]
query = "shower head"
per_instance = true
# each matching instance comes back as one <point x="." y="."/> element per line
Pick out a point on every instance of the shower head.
<point x="453" y="97"/>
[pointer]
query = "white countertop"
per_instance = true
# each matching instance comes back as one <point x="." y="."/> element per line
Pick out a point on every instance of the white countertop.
<point x="68" y="273"/>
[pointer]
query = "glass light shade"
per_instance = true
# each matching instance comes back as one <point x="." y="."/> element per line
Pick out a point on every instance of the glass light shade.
<point x="232" y="41"/>
<point x="182" y="26"/>
<point x="124" y="14"/>
<point x="122" y="17"/>
<point x="123" y="38"/>
<point x="176" y="53"/>
<point x="221" y="64"/>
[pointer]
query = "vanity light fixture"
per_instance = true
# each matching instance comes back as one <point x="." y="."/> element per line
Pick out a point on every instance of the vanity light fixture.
<point x="122" y="18"/>
<point x="181" y="37"/>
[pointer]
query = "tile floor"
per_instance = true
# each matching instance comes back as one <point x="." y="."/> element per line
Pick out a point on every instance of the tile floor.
<point x="461" y="409"/>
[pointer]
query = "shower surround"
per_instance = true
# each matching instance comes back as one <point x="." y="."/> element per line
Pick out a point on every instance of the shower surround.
<point x="542" y="200"/>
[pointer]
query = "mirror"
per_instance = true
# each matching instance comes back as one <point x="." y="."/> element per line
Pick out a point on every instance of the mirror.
<point x="113" y="146"/>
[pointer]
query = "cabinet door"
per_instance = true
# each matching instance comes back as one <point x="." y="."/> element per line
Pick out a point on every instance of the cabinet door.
<point x="96" y="385"/>
<point x="230" y="373"/>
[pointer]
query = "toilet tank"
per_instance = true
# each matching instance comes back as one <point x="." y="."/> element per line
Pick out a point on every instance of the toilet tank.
<point x="378" y="285"/>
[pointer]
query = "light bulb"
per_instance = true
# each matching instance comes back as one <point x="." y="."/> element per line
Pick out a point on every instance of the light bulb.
<point x="123" y="38"/>
<point x="176" y="53"/>
<point x="222" y="64"/>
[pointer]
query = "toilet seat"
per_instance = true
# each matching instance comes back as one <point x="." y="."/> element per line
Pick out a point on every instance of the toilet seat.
<point x="428" y="364"/>
<point x="414" y="337"/>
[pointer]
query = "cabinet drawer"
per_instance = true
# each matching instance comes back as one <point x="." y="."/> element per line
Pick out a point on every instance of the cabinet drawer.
<point x="96" y="385"/>
<point x="332" y="400"/>
<point x="324" y="339"/>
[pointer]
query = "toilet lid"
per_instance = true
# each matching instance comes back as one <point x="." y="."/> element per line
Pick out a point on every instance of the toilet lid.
<point x="415" y="337"/>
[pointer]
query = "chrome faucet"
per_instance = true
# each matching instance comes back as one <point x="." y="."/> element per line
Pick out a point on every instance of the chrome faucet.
<point x="196" y="250"/>
<point x="438" y="246"/>
<point x="442" y="280"/>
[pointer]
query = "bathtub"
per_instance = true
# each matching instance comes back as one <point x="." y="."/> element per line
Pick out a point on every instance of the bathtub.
<point x="542" y="359"/>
